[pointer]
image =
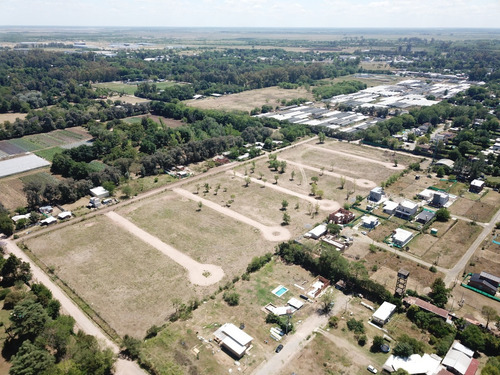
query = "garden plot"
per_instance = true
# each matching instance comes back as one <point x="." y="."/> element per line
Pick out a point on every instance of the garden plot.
<point x="127" y="282"/>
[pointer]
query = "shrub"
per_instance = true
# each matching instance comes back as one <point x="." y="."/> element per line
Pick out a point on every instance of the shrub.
<point x="333" y="322"/>
<point x="258" y="262"/>
<point x="231" y="297"/>
<point x="362" y="340"/>
<point x="356" y="326"/>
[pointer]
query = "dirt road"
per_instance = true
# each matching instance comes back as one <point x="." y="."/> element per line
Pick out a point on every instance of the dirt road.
<point x="276" y="233"/>
<point x="324" y="204"/>
<point x="123" y="367"/>
<point x="199" y="274"/>
<point x="294" y="343"/>
<point x="453" y="273"/>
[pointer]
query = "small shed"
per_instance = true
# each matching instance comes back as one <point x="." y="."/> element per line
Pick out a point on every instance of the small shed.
<point x="383" y="313"/>
<point x="46" y="209"/>
<point x="99" y="192"/>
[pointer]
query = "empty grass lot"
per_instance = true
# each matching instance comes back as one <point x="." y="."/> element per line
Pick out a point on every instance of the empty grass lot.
<point x="205" y="235"/>
<point x="128" y="283"/>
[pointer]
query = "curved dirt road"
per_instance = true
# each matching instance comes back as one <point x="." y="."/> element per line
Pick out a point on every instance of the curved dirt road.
<point x="276" y="233"/>
<point x="361" y="182"/>
<point x="324" y="204"/>
<point x="82" y="321"/>
<point x="199" y="274"/>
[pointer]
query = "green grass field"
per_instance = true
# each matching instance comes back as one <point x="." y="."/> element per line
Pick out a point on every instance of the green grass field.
<point x="42" y="177"/>
<point x="26" y="144"/>
<point x="48" y="154"/>
<point x="124" y="88"/>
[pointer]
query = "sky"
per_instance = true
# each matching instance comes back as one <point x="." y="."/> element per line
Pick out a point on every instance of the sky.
<point x="253" y="13"/>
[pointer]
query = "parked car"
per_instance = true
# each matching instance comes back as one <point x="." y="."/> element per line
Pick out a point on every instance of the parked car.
<point x="372" y="369"/>
<point x="278" y="348"/>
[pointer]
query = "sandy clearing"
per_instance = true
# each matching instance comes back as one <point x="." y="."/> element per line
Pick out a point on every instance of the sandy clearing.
<point x="324" y="204"/>
<point x="196" y="271"/>
<point x="82" y="321"/>
<point x="275" y="234"/>
<point x="361" y="182"/>
<point x="346" y="154"/>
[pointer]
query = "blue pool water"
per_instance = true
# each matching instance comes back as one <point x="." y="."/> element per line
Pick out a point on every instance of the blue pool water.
<point x="281" y="291"/>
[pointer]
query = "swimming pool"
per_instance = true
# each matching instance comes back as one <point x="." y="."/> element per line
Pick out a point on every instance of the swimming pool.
<point x="279" y="290"/>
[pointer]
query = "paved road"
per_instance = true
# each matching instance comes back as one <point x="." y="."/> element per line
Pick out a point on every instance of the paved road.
<point x="453" y="273"/>
<point x="294" y="343"/>
<point x="123" y="367"/>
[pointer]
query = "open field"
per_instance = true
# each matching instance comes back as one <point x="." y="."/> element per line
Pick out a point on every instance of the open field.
<point x="213" y="238"/>
<point x="487" y="257"/>
<point x="348" y="160"/>
<point x="128" y="283"/>
<point x="454" y="243"/>
<point x="388" y="265"/>
<point x="129" y="89"/>
<point x="131" y="99"/>
<point x="248" y="100"/>
<point x="12" y="116"/>
<point x="171" y="123"/>
<point x="481" y="210"/>
<point x="48" y="154"/>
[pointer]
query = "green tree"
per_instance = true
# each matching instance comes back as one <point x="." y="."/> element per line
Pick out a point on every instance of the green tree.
<point x="89" y="357"/>
<point x="56" y="335"/>
<point x="356" y="326"/>
<point x="109" y="186"/>
<point x="321" y="137"/>
<point x="30" y="360"/>
<point x="28" y="319"/>
<point x="473" y="338"/>
<point x="127" y="191"/>
<point x="247" y="181"/>
<point x="131" y="347"/>
<point x="489" y="314"/>
<point x="286" y="218"/>
<point x="333" y="228"/>
<point x="342" y="182"/>
<point x="403" y="349"/>
<point x="284" y="205"/>
<point x="276" y="178"/>
<point x="439" y="293"/>
<point x="378" y="341"/>
<point x="292" y="176"/>
<point x="327" y="300"/>
<point x="443" y="214"/>
<point x="282" y="166"/>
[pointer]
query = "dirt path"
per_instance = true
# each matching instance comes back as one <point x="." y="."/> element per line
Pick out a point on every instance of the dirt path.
<point x="293" y="344"/>
<point x="362" y="158"/>
<point x="199" y="274"/>
<point x="276" y="233"/>
<point x="324" y="204"/>
<point x="361" y="182"/>
<point x="452" y="274"/>
<point x="82" y="321"/>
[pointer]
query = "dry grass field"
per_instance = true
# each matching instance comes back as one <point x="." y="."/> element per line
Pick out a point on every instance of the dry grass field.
<point x="248" y="100"/>
<point x="12" y="116"/>
<point x="348" y="160"/>
<point x="205" y="235"/>
<point x="453" y="244"/>
<point x="481" y="210"/>
<point x="388" y="265"/>
<point x="171" y="123"/>
<point x="128" y="283"/>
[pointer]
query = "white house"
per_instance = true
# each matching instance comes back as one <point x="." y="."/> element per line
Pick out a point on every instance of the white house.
<point x="383" y="313"/>
<point x="476" y="186"/>
<point x="99" y="192"/>
<point x="406" y="209"/>
<point x="369" y="222"/>
<point x="426" y="194"/>
<point x="401" y="237"/>
<point x="390" y="207"/>
<point x="440" y="198"/>
<point x="376" y="194"/>
<point x="460" y="359"/>
<point x="64" y="215"/>
<point x="16" y="218"/>
<point x="235" y="340"/>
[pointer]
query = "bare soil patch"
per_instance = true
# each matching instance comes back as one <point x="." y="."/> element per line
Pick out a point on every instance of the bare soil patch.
<point x="248" y="100"/>
<point x="127" y="282"/>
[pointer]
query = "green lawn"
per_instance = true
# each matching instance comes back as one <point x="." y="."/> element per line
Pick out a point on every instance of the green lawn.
<point x="130" y="89"/>
<point x="48" y="154"/>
